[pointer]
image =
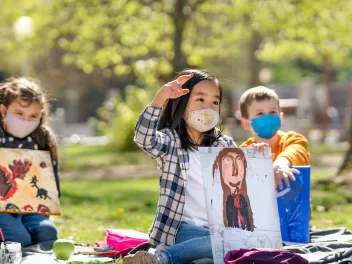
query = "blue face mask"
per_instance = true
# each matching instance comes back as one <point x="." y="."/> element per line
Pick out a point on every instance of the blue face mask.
<point x="266" y="126"/>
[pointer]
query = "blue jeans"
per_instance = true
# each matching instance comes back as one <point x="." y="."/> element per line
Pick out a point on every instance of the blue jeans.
<point x="27" y="229"/>
<point x="192" y="243"/>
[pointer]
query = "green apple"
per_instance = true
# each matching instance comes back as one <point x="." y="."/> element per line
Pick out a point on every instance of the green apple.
<point x="63" y="249"/>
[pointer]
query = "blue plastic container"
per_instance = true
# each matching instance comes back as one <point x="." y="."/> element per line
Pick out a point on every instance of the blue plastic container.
<point x="294" y="207"/>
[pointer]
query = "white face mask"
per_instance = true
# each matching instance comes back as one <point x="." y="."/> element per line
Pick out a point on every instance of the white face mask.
<point x="203" y="119"/>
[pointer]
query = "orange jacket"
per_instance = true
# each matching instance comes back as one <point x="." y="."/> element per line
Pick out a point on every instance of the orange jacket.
<point x="290" y="145"/>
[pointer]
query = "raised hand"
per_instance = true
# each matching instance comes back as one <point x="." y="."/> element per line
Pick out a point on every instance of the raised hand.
<point x="171" y="90"/>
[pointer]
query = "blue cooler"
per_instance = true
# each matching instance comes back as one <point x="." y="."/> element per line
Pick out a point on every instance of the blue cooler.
<point x="294" y="207"/>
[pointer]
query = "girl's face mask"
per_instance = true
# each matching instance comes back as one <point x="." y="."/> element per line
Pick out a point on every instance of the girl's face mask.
<point x="203" y="119"/>
<point x="266" y="126"/>
<point x="18" y="127"/>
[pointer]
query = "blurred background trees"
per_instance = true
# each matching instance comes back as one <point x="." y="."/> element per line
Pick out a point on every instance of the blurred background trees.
<point x="112" y="55"/>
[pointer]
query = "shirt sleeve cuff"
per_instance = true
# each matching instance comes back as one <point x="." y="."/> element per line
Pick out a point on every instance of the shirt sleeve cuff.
<point x="153" y="111"/>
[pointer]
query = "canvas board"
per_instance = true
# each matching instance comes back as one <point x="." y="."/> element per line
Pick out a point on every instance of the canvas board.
<point x="27" y="182"/>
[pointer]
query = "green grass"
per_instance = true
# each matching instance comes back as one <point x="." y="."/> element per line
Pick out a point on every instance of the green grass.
<point x="85" y="157"/>
<point x="89" y="207"/>
<point x="319" y="149"/>
<point x="337" y="216"/>
<point x="319" y="175"/>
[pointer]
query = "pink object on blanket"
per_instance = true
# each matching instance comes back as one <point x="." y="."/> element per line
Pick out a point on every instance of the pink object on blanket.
<point x="124" y="239"/>
<point x="263" y="256"/>
<point x="113" y="255"/>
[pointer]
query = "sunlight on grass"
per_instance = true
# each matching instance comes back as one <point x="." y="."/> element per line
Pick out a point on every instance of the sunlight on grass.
<point x="89" y="207"/>
<point x="318" y="149"/>
<point x="85" y="157"/>
<point x="319" y="175"/>
<point x="336" y="216"/>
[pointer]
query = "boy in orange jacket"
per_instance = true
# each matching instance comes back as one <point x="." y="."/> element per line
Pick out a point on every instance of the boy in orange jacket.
<point x="261" y="115"/>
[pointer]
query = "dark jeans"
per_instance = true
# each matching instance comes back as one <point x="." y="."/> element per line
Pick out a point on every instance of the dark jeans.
<point x="27" y="229"/>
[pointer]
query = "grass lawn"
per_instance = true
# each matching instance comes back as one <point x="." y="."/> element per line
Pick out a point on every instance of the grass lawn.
<point x="90" y="206"/>
<point x="86" y="157"/>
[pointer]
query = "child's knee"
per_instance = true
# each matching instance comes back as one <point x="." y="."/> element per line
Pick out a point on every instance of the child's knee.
<point x="46" y="232"/>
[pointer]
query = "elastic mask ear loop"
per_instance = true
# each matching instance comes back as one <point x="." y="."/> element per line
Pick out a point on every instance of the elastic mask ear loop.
<point x="220" y="120"/>
<point x="189" y="113"/>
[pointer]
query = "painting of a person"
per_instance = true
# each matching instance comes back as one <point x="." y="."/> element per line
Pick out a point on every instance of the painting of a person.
<point x="237" y="213"/>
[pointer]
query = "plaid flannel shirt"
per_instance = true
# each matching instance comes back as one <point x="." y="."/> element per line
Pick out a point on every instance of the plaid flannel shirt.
<point x="173" y="164"/>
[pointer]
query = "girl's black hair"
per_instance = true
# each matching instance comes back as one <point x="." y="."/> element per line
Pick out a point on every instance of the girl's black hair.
<point x="173" y="112"/>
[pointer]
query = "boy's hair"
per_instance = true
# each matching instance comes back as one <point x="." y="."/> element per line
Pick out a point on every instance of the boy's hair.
<point x="173" y="112"/>
<point x="28" y="91"/>
<point x="259" y="94"/>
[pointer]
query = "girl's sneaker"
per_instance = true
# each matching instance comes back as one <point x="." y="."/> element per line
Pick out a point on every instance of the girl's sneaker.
<point x="141" y="257"/>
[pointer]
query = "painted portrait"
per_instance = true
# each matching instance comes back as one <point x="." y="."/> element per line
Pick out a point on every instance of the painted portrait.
<point x="232" y="165"/>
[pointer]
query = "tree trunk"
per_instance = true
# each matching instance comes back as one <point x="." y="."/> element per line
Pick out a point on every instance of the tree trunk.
<point x="255" y="65"/>
<point x="327" y="72"/>
<point x="179" y="18"/>
<point x="347" y="163"/>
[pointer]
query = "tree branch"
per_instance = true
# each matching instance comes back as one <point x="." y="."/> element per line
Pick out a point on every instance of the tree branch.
<point x="198" y="3"/>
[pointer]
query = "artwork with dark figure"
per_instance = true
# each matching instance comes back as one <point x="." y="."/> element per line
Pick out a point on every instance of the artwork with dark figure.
<point x="231" y="164"/>
<point x="28" y="179"/>
<point x="20" y="168"/>
<point x="7" y="185"/>
<point x="42" y="193"/>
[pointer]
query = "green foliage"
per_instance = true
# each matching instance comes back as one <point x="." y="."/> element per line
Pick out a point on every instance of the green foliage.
<point x="120" y="37"/>
<point x="311" y="30"/>
<point x="118" y="116"/>
<point x="137" y="37"/>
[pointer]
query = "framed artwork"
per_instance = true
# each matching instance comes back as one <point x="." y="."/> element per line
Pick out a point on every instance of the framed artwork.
<point x="241" y="199"/>
<point x="27" y="182"/>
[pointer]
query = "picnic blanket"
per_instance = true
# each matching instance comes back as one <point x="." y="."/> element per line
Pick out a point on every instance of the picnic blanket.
<point x="50" y="259"/>
<point x="47" y="257"/>
<point x="331" y="246"/>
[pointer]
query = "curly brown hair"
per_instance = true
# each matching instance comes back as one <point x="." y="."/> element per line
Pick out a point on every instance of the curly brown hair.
<point x="28" y="91"/>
